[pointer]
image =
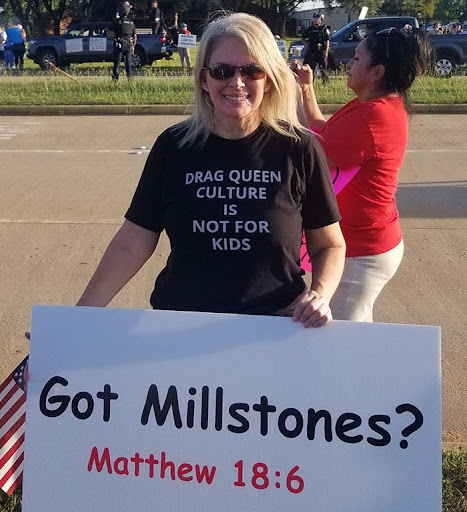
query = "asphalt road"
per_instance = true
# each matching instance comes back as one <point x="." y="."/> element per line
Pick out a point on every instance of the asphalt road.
<point x="66" y="183"/>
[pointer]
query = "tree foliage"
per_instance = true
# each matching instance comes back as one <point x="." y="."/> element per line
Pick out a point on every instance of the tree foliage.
<point x="422" y="9"/>
<point x="353" y="6"/>
<point x="51" y="12"/>
<point x="451" y="10"/>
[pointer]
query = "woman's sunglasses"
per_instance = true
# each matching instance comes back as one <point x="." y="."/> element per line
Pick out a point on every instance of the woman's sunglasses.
<point x="226" y="71"/>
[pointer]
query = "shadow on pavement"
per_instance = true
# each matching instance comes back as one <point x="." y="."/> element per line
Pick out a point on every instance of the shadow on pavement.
<point x="433" y="200"/>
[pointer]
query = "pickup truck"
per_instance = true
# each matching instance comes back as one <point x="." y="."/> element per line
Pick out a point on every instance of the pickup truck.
<point x="449" y="50"/>
<point x="345" y="40"/>
<point x="91" y="42"/>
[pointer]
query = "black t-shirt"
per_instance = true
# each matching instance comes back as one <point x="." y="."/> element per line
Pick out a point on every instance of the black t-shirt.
<point x="234" y="212"/>
<point x="316" y="36"/>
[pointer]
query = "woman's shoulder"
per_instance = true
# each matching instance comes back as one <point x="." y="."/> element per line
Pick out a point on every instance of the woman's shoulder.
<point x="306" y="144"/>
<point x="385" y="106"/>
<point x="388" y="111"/>
<point x="172" y="135"/>
<point x="308" y="140"/>
<point x="291" y="136"/>
<point x="351" y="112"/>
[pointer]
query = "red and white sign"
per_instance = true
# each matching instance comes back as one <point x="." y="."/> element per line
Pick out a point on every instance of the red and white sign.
<point x="148" y="410"/>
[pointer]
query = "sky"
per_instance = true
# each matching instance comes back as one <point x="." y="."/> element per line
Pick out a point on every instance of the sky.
<point x="310" y="5"/>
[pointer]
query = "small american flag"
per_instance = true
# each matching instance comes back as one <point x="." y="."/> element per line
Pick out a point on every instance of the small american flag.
<point x="12" y="422"/>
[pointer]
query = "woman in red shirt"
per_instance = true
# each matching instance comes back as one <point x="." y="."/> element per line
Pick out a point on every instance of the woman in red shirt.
<point x="367" y="139"/>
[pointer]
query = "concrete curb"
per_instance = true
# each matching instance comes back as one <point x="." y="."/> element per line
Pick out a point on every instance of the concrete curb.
<point x="174" y="110"/>
<point x="94" y="110"/>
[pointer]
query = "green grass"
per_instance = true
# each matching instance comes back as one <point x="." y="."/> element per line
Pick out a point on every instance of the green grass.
<point x="164" y="83"/>
<point x="95" y="91"/>
<point x="454" y="485"/>
<point x="150" y="88"/>
<point x="455" y="480"/>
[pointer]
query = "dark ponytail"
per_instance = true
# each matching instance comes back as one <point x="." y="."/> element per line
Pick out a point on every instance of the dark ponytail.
<point x="405" y="54"/>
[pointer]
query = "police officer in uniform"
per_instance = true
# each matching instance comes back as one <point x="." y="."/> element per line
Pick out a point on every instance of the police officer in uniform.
<point x="124" y="40"/>
<point x="156" y="17"/>
<point x="316" y="39"/>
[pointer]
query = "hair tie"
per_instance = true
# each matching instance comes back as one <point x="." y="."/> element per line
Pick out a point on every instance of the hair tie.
<point x="407" y="30"/>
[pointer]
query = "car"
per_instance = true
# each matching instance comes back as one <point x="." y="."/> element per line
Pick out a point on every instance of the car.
<point x="92" y="42"/>
<point x="345" y="40"/>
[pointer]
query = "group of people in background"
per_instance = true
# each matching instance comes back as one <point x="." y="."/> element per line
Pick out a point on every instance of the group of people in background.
<point x="252" y="112"/>
<point x="450" y="29"/>
<point x="12" y="45"/>
<point x="125" y="36"/>
<point x="159" y="26"/>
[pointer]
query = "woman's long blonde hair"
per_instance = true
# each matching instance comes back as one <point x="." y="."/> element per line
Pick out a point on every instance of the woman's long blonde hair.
<point x="279" y="106"/>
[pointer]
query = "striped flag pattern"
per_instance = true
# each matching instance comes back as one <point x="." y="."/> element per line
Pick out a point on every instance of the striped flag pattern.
<point x="12" y="423"/>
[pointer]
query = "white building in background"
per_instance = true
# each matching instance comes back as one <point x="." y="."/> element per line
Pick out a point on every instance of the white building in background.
<point x="336" y="18"/>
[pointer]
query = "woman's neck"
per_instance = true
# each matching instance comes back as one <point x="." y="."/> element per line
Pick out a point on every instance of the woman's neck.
<point x="235" y="128"/>
<point x="373" y="94"/>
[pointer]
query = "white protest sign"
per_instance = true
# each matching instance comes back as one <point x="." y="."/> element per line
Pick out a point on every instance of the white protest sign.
<point x="154" y="410"/>
<point x="363" y="13"/>
<point x="282" y="46"/>
<point x="186" y="41"/>
<point x="74" y="45"/>
<point x="97" y="44"/>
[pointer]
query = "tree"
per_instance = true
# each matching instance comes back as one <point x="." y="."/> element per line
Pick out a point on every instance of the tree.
<point x="451" y="10"/>
<point x="423" y="9"/>
<point x="56" y="10"/>
<point x="353" y="6"/>
<point x="86" y="8"/>
<point x="21" y="10"/>
<point x="283" y="9"/>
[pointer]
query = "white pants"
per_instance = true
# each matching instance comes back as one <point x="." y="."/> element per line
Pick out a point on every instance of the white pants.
<point x="362" y="281"/>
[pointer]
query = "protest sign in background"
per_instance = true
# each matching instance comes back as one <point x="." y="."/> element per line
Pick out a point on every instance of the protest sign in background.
<point x="194" y="411"/>
<point x="186" y="41"/>
<point x="97" y="44"/>
<point x="282" y="45"/>
<point x="74" y="45"/>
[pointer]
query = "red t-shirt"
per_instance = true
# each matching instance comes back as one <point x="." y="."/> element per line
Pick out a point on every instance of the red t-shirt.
<point x="373" y="136"/>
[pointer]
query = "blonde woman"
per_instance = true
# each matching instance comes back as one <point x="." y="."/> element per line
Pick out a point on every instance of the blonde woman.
<point x="233" y="186"/>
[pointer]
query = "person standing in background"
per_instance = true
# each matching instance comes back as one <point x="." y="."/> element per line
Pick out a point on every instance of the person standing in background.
<point x="3" y="38"/>
<point x="436" y="30"/>
<point x="316" y="40"/>
<point x="183" y="52"/>
<point x="17" y="37"/>
<point x="368" y="137"/>
<point x="124" y="41"/>
<point x="8" y="55"/>
<point x="156" y="17"/>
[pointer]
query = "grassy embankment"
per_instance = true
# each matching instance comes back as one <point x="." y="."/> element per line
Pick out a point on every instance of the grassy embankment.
<point x="454" y="485"/>
<point x="164" y="83"/>
<point x="153" y="90"/>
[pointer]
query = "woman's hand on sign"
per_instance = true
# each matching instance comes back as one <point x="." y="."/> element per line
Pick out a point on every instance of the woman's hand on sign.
<point x="312" y="310"/>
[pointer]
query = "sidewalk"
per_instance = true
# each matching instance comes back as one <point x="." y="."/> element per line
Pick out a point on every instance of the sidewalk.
<point x="168" y="110"/>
